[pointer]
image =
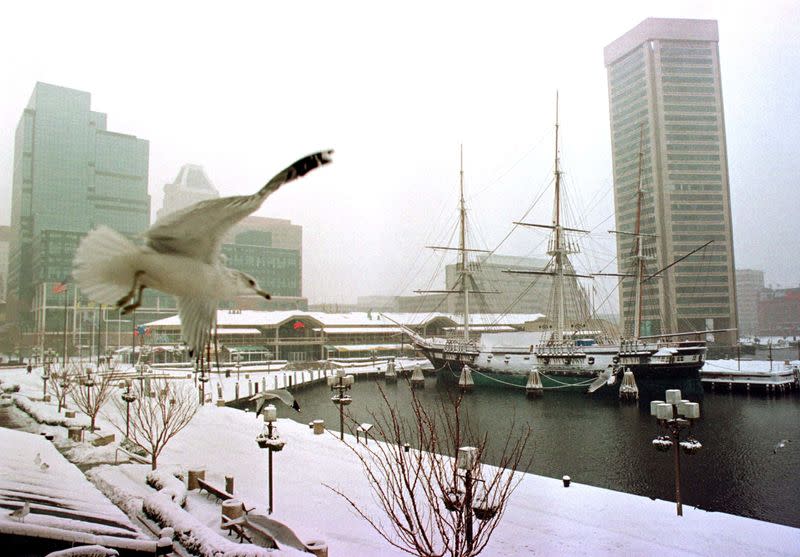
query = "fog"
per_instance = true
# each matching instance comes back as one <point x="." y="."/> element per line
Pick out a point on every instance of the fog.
<point x="246" y="88"/>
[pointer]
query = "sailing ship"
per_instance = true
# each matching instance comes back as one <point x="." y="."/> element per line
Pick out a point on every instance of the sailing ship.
<point x="576" y="350"/>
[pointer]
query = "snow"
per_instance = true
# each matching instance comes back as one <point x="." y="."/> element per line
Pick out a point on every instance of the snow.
<point x="745" y="366"/>
<point x="543" y="517"/>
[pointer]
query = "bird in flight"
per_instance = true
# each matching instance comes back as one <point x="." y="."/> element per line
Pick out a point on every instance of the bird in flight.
<point x="280" y="394"/>
<point x="181" y="256"/>
<point x="779" y="445"/>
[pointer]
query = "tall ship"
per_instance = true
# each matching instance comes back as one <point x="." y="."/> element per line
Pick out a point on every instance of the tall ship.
<point x="572" y="348"/>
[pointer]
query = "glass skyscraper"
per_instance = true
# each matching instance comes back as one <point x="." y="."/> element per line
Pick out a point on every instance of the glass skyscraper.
<point x="665" y="93"/>
<point x="71" y="174"/>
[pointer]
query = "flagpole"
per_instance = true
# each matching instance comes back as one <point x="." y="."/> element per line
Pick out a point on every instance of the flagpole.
<point x="66" y="300"/>
<point x="44" y="320"/>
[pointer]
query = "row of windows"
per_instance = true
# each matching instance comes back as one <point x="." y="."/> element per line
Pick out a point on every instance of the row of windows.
<point x="629" y="93"/>
<point x="688" y="89"/>
<point x="689" y="269"/>
<point x="697" y="99"/>
<point x="684" y="51"/>
<point x="710" y="258"/>
<point x="692" y="137"/>
<point x="691" y="128"/>
<point x="689" y="108"/>
<point x="686" y="79"/>
<point x="699" y="238"/>
<point x="697" y="177"/>
<point x="696" y="167"/>
<point x="685" y="70"/>
<point x="705" y="278"/>
<point x="697" y="217"/>
<point x="693" y="147"/>
<point x="703" y="310"/>
<point x="621" y="110"/>
<point x="694" y="207"/>
<point x="623" y="68"/>
<point x="716" y="247"/>
<point x="684" y="61"/>
<point x="691" y="157"/>
<point x="698" y="228"/>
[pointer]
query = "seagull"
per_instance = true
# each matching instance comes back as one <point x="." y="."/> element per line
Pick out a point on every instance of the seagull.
<point x="604" y="378"/>
<point x="182" y="257"/>
<point x="21" y="512"/>
<point x="281" y="394"/>
<point x="38" y="460"/>
<point x="780" y="444"/>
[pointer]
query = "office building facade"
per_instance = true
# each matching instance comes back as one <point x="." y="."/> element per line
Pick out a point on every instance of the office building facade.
<point x="70" y="175"/>
<point x="749" y="289"/>
<point x="665" y="95"/>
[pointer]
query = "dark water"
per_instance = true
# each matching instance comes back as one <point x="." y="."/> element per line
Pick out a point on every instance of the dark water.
<point x="607" y="443"/>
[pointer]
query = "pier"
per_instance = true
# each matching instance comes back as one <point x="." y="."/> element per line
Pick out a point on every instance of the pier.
<point x="726" y="373"/>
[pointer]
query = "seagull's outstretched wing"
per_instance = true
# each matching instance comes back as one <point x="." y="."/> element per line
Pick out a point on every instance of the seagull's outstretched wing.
<point x="198" y="230"/>
<point x="197" y="317"/>
<point x="280" y="394"/>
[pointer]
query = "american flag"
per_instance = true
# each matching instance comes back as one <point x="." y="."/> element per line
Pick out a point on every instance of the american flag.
<point x="59" y="287"/>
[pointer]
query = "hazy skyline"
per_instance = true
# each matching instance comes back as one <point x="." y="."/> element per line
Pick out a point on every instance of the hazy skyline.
<point x="245" y="89"/>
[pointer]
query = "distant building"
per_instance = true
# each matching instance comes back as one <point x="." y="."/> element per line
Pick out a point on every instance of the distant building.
<point x="779" y="312"/>
<point x="190" y="186"/>
<point x="749" y="288"/>
<point x="5" y="239"/>
<point x="70" y="175"/>
<point x="664" y="86"/>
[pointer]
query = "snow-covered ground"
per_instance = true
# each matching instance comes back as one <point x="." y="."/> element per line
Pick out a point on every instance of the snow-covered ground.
<point x="543" y="517"/>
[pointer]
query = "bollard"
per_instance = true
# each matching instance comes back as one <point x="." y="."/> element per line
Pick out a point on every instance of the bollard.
<point x="232" y="509"/>
<point x="566" y="480"/>
<point x="75" y="434"/>
<point x="319" y="427"/>
<point x="229" y="484"/>
<point x="193" y="476"/>
<point x="417" y="378"/>
<point x="318" y="548"/>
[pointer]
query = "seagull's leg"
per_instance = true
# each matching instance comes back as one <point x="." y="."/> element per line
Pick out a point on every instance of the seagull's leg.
<point x="130" y="295"/>
<point x="134" y="296"/>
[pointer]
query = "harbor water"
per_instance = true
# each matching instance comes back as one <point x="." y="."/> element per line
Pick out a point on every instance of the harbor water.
<point x="607" y="443"/>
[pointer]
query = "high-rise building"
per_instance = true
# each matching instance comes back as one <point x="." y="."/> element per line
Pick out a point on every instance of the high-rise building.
<point x="665" y="94"/>
<point x="5" y="238"/>
<point x="190" y="186"/>
<point x="749" y="288"/>
<point x="70" y="175"/>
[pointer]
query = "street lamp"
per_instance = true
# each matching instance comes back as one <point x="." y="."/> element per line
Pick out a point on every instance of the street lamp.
<point x="48" y="355"/>
<point x="203" y="379"/>
<point x="341" y="383"/>
<point x="89" y="382"/>
<point x="237" y="358"/>
<point x="673" y="417"/>
<point x="128" y="396"/>
<point x="270" y="440"/>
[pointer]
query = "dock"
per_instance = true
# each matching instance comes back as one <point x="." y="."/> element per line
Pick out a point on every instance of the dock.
<point x="728" y="374"/>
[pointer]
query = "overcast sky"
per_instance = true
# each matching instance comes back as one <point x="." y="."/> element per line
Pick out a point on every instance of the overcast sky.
<point x="244" y="88"/>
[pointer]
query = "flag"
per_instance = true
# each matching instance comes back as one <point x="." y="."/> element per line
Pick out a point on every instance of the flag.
<point x="140" y="330"/>
<point x="148" y="331"/>
<point x="298" y="325"/>
<point x="59" y="287"/>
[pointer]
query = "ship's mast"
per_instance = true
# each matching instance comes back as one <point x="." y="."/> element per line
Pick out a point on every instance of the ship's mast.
<point x="462" y="246"/>
<point x="557" y="251"/>
<point x="637" y="245"/>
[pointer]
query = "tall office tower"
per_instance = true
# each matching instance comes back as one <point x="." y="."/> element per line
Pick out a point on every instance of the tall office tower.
<point x="749" y="288"/>
<point x="5" y="237"/>
<point x="190" y="186"/>
<point x="70" y="175"/>
<point x="665" y="93"/>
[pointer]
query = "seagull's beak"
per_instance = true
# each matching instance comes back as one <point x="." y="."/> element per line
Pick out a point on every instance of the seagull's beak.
<point x="264" y="295"/>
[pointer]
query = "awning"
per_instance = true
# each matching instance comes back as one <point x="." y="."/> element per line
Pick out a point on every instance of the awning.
<point x="242" y="331"/>
<point x="358" y="330"/>
<point x="366" y="347"/>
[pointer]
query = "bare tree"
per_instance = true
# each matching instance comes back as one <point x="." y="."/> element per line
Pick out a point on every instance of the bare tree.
<point x="423" y="493"/>
<point x="91" y="392"/>
<point x="159" y="411"/>
<point x="61" y="382"/>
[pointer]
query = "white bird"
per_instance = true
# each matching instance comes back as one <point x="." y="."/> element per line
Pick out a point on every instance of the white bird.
<point x="38" y="459"/>
<point x="21" y="512"/>
<point x="280" y="394"/>
<point x="605" y="377"/>
<point x="182" y="257"/>
<point x="779" y="445"/>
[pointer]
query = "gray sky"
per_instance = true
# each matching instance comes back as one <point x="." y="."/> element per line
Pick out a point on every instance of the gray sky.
<point x="244" y="88"/>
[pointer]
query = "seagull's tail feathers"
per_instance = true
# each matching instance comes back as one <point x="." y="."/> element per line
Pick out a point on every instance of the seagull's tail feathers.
<point x="103" y="267"/>
<point x="296" y="170"/>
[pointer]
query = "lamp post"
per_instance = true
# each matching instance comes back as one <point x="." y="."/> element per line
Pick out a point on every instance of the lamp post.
<point x="466" y="461"/>
<point x="237" y="358"/>
<point x="341" y="383"/>
<point x="268" y="439"/>
<point x="89" y="382"/>
<point x="674" y="416"/>
<point x="128" y="396"/>
<point x="203" y="379"/>
<point x="48" y="358"/>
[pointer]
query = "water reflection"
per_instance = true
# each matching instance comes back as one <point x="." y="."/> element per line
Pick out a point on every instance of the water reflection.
<point x="606" y="443"/>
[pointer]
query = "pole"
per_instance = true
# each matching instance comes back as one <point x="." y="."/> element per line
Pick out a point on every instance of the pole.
<point x="128" y="417"/>
<point x="66" y="297"/>
<point x="269" y="432"/>
<point x="468" y="508"/>
<point x="676" y="445"/>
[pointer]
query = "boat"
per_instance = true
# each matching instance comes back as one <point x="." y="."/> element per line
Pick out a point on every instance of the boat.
<point x="574" y="349"/>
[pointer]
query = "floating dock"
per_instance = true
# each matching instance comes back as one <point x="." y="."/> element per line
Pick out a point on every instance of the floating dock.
<point x="783" y="375"/>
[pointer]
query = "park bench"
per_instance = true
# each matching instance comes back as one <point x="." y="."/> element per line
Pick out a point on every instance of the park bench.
<point x="220" y="494"/>
<point x="236" y="526"/>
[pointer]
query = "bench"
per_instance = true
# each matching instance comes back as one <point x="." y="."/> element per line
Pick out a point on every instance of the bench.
<point x="236" y="526"/>
<point x="220" y="494"/>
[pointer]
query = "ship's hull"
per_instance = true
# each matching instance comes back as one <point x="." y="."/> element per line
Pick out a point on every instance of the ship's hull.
<point x="575" y="367"/>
